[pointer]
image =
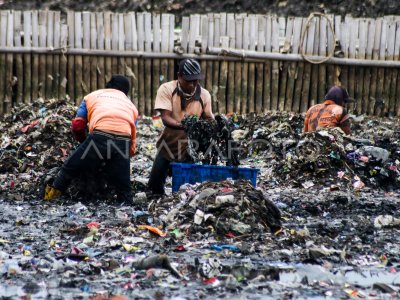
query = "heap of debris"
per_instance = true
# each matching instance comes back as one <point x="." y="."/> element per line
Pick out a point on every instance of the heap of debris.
<point x="224" y="207"/>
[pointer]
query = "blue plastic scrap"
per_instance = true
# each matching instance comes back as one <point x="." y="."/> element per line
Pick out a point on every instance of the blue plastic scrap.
<point x="225" y="247"/>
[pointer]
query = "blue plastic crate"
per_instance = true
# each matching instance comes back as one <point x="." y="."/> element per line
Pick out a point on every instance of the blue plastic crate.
<point x="191" y="173"/>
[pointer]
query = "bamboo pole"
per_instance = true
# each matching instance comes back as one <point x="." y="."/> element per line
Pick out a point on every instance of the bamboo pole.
<point x="27" y="77"/>
<point x="309" y="48"/>
<point x="216" y="64"/>
<point x="71" y="59"/>
<point x="135" y="75"/>
<point x="223" y="79"/>
<point x="3" y="43"/>
<point x="353" y="26"/>
<point x="332" y="69"/>
<point x="42" y="57"/>
<point x="367" y="73"/>
<point x="121" y="44"/>
<point x="344" y="43"/>
<point x="108" y="63"/>
<point x="171" y="66"/>
<point x="204" y="46"/>
<point x="35" y="57"/>
<point x="114" y="42"/>
<point x="86" y="35"/>
<point x="209" y="64"/>
<point x="147" y="48"/>
<point x="292" y="70"/>
<point x="49" y="58"/>
<point x="56" y="59"/>
<point x="18" y="58"/>
<point x="62" y="88"/>
<point x="275" y="64"/>
<point x="238" y="65"/>
<point x="231" y="65"/>
<point x="283" y="101"/>
<point x="254" y="34"/>
<point x="156" y="62"/>
<point x="396" y="57"/>
<point x="140" y="32"/>
<point x="78" y="59"/>
<point x="245" y="66"/>
<point x="362" y="49"/>
<point x="299" y="77"/>
<point x="314" y="76"/>
<point x="381" y="71"/>
<point x="93" y="59"/>
<point x="164" y="47"/>
<point x="389" y="84"/>
<point x="267" y="66"/>
<point x="9" y="63"/>
<point x="101" y="60"/>
<point x="128" y="61"/>
<point x="374" y="102"/>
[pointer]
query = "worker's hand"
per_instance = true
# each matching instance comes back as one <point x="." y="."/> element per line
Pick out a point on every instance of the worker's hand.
<point x="78" y="129"/>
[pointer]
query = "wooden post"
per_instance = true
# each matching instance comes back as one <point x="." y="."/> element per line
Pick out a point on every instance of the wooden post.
<point x="223" y="78"/>
<point x="35" y="57"/>
<point x="107" y="46"/>
<point x="314" y="76"/>
<point x="135" y="75"/>
<point x="374" y="102"/>
<point x="78" y="59"/>
<point x="56" y="59"/>
<point x="275" y="64"/>
<point x="367" y="74"/>
<point x="156" y="62"/>
<point x="49" y="57"/>
<point x="209" y="67"/>
<point x="390" y="85"/>
<point x="164" y="47"/>
<point x="93" y="59"/>
<point x="27" y="58"/>
<point x="238" y="65"/>
<point x="231" y="65"/>
<point x="353" y="27"/>
<point x="344" y="43"/>
<point x="140" y="32"/>
<point x="332" y="69"/>
<point x="322" y="47"/>
<point x="362" y="48"/>
<point x="254" y="34"/>
<point x="396" y="57"/>
<point x="216" y="64"/>
<point x="283" y="101"/>
<point x="121" y="44"/>
<point x="147" y="48"/>
<point x="42" y="57"/>
<point x="9" y="63"/>
<point x="297" y="106"/>
<point x="3" y="43"/>
<point x="128" y="46"/>
<point x="245" y="67"/>
<point x="18" y="58"/>
<point x="114" y="42"/>
<point x="308" y="45"/>
<point x="292" y="71"/>
<point x="71" y="58"/>
<point x="267" y="66"/>
<point x="204" y="45"/>
<point x="101" y="61"/>
<point x="171" y="67"/>
<point x="86" y="59"/>
<point x="62" y="88"/>
<point x="381" y="71"/>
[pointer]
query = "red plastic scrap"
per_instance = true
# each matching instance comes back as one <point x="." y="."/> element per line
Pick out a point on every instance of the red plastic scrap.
<point x="26" y="128"/>
<point x="210" y="281"/>
<point x="93" y="224"/>
<point x="180" y="248"/>
<point x="226" y="190"/>
<point x="230" y="235"/>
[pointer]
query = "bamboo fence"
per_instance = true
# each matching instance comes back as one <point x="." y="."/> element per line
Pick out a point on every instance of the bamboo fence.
<point x="251" y="63"/>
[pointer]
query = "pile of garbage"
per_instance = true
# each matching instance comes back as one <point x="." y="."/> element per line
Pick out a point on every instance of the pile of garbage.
<point x="327" y="157"/>
<point x="223" y="208"/>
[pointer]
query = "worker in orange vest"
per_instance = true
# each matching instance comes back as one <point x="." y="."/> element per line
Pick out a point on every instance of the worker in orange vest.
<point x="111" y="116"/>
<point x="330" y="113"/>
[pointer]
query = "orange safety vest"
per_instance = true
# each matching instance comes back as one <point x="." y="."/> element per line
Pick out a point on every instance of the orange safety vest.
<point x="327" y="114"/>
<point x="110" y="110"/>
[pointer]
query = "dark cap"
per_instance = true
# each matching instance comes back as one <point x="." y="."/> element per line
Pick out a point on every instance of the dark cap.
<point x="190" y="69"/>
<point x="339" y="95"/>
<point x="119" y="82"/>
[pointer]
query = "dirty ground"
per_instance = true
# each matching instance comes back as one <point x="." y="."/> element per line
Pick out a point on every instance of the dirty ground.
<point x="323" y="221"/>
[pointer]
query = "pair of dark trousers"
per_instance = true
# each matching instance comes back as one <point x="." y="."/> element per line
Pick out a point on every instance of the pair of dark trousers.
<point x="99" y="148"/>
<point x="158" y="174"/>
